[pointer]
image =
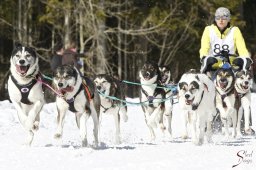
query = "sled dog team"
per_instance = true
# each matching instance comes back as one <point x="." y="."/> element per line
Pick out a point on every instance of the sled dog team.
<point x="199" y="98"/>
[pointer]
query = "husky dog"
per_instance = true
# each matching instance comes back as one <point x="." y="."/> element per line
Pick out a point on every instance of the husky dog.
<point x="165" y="80"/>
<point x="109" y="86"/>
<point x="152" y="97"/>
<point x="78" y="95"/>
<point x="196" y="99"/>
<point x="225" y="99"/>
<point x="25" y="91"/>
<point x="243" y="95"/>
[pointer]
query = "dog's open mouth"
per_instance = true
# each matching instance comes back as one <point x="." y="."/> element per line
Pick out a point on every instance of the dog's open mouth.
<point x="147" y="78"/>
<point x="189" y="102"/>
<point x="22" y="69"/>
<point x="66" y="89"/>
<point x="164" y="79"/>
<point x="245" y="87"/>
<point x="223" y="85"/>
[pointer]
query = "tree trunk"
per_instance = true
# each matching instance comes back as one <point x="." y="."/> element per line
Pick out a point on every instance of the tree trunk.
<point x="67" y="28"/>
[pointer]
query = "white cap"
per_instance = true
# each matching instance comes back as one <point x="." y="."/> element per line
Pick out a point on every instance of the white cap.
<point x="223" y="12"/>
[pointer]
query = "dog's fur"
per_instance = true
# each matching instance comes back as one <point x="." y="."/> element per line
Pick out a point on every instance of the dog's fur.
<point x="243" y="95"/>
<point x="24" y="90"/>
<point x="79" y="95"/>
<point x="152" y="97"/>
<point x="109" y="86"/>
<point x="196" y="99"/>
<point x="165" y="80"/>
<point x="226" y="100"/>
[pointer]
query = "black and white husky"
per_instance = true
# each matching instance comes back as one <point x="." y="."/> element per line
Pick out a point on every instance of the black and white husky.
<point x="108" y="87"/>
<point x="243" y="81"/>
<point x="196" y="100"/>
<point x="226" y="100"/>
<point x="78" y="95"/>
<point x="165" y="81"/>
<point x="152" y="97"/>
<point x="24" y="90"/>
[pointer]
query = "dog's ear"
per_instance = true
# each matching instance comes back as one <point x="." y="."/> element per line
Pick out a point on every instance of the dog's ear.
<point x="197" y="77"/>
<point x="17" y="45"/>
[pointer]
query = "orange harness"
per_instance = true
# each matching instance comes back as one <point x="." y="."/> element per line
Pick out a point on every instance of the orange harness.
<point x="86" y="88"/>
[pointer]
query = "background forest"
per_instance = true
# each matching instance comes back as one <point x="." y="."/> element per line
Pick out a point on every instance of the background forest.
<point x="118" y="36"/>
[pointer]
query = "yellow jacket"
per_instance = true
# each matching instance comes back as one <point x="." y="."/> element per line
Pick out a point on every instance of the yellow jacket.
<point x="237" y="40"/>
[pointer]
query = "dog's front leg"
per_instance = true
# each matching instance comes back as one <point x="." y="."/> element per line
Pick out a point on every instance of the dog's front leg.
<point x="192" y="123"/>
<point x="231" y="111"/>
<point x="152" y="118"/>
<point x="31" y="123"/>
<point x="95" y="118"/>
<point x="201" y="130"/>
<point x="224" y="117"/>
<point x="209" y="129"/>
<point x="117" y="125"/>
<point x="185" y="118"/>
<point x="151" y="130"/>
<point x="22" y="116"/>
<point x="168" y="116"/>
<point x="81" y="120"/>
<point x="246" y="106"/>
<point x="239" y="118"/>
<point x="60" y="122"/>
<point x="123" y="113"/>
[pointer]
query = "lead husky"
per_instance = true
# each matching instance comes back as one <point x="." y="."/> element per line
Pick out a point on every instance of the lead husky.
<point x="152" y="97"/>
<point x="196" y="99"/>
<point x="109" y="86"/>
<point x="24" y="90"/>
<point x="80" y="97"/>
<point x="243" y="95"/>
<point x="165" y="80"/>
<point x="225" y="99"/>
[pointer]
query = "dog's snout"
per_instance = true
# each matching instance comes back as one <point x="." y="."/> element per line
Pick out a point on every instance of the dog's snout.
<point x="22" y="61"/>
<point x="187" y="96"/>
<point x="99" y="87"/>
<point x="246" y="82"/>
<point x="148" y="74"/>
<point x="60" y="84"/>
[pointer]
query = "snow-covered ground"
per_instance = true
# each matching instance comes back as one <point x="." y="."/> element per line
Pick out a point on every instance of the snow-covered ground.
<point x="136" y="151"/>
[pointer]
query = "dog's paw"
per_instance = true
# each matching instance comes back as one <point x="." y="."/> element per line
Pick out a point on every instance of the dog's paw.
<point x="57" y="136"/>
<point x="85" y="143"/>
<point x="35" y="126"/>
<point x="249" y="131"/>
<point x="239" y="135"/>
<point x="184" y="136"/>
<point x="125" y="118"/>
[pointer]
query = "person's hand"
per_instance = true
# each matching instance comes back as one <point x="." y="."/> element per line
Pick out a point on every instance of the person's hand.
<point x="207" y="63"/>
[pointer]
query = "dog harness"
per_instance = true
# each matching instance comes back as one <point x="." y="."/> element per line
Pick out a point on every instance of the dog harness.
<point x="150" y="98"/>
<point x="25" y="89"/>
<point x="106" y="109"/>
<point x="87" y="94"/>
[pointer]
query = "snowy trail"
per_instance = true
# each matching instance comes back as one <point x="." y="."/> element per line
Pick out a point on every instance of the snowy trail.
<point x="135" y="152"/>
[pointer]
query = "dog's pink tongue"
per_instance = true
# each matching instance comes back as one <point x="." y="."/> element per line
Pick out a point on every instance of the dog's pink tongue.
<point x="67" y="89"/>
<point x="21" y="69"/>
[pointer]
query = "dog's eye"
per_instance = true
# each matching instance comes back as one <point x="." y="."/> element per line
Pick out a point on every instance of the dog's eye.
<point x="67" y="77"/>
<point x="17" y="56"/>
<point x="28" y="56"/>
<point x="104" y="81"/>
